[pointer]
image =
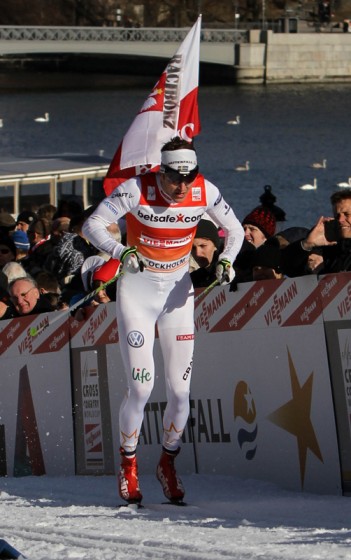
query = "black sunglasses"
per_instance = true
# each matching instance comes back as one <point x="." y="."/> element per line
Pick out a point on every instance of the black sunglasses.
<point x="177" y="178"/>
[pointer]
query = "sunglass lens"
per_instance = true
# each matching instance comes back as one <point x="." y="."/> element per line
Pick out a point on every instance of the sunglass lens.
<point x="176" y="177"/>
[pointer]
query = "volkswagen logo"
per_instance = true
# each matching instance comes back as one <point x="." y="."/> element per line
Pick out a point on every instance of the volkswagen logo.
<point x="135" y="339"/>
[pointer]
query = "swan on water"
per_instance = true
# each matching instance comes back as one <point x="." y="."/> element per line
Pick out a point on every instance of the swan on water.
<point x="321" y="165"/>
<point x="344" y="184"/>
<point x="245" y="167"/>
<point x="45" y="118"/>
<point x="309" y="187"/>
<point x="235" y="121"/>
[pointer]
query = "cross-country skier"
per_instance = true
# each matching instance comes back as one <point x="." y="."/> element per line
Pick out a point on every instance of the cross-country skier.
<point x="162" y="212"/>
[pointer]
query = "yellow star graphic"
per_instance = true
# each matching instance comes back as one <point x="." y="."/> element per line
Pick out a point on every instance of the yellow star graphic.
<point x="171" y="429"/>
<point x="294" y="417"/>
<point x="129" y="440"/>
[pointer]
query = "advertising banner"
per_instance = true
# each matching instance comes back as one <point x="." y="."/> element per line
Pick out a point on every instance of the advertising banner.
<point x="262" y="401"/>
<point x="270" y="393"/>
<point x="335" y="290"/>
<point x="267" y="304"/>
<point x="36" y="401"/>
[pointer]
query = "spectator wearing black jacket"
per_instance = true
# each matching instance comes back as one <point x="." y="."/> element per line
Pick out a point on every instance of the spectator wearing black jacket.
<point x="205" y="250"/>
<point x="336" y="249"/>
<point x="259" y="225"/>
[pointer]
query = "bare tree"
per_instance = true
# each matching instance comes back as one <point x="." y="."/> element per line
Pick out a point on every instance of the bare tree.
<point x="166" y="13"/>
<point x="36" y="12"/>
<point x="55" y="12"/>
<point x="170" y="13"/>
<point x="151" y="12"/>
<point x="92" y="12"/>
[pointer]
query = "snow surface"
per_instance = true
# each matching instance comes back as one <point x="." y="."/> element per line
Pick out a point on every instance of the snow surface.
<point x="51" y="518"/>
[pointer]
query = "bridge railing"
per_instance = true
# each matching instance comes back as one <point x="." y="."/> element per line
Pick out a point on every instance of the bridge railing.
<point x="146" y="34"/>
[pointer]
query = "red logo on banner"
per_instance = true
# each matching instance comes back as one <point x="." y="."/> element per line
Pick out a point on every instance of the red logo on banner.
<point x="308" y="312"/>
<point x="247" y="307"/>
<point x="13" y="330"/>
<point x="109" y="336"/>
<point x="55" y="341"/>
<point x="331" y="286"/>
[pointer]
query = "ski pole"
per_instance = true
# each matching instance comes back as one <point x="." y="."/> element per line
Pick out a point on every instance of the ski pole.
<point x="34" y="331"/>
<point x="206" y="291"/>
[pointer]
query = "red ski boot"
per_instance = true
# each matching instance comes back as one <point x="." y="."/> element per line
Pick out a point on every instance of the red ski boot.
<point x="128" y="482"/>
<point x="166" y="474"/>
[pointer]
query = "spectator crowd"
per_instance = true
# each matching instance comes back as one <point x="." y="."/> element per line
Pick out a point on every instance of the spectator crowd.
<point x="47" y="264"/>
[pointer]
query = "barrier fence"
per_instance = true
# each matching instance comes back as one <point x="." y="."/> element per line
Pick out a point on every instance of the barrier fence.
<point x="270" y="393"/>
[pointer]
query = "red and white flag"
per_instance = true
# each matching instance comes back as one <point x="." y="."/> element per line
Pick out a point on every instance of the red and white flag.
<point x="170" y="110"/>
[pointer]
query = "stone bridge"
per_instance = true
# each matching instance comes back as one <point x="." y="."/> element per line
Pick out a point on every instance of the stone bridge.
<point x="217" y="45"/>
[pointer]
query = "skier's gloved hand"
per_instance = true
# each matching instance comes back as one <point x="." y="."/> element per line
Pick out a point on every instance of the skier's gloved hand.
<point x="224" y="272"/>
<point x="131" y="261"/>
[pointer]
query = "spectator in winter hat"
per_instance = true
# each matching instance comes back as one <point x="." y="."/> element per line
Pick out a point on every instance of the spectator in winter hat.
<point x="7" y="223"/>
<point x="24" y="219"/>
<point x="205" y="252"/>
<point x="21" y="241"/>
<point x="259" y="225"/>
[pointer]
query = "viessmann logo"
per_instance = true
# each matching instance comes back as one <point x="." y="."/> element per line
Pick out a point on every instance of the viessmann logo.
<point x="168" y="219"/>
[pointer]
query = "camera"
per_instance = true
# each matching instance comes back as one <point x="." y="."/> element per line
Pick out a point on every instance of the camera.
<point x="331" y="230"/>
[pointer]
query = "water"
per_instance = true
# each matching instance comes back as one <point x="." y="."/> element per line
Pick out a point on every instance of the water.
<point x="283" y="130"/>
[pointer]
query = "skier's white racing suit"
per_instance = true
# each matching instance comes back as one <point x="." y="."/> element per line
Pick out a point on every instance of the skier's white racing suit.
<point x="162" y="294"/>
